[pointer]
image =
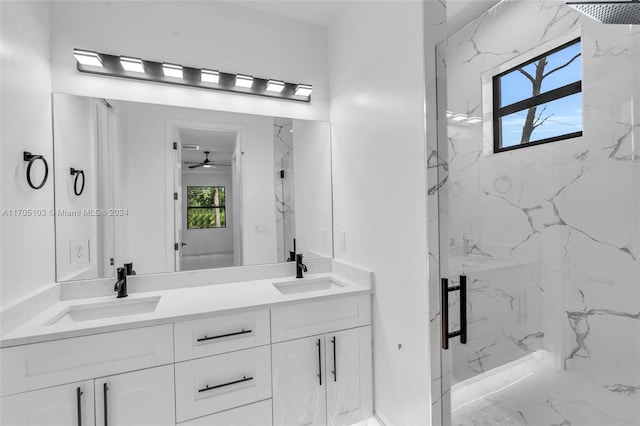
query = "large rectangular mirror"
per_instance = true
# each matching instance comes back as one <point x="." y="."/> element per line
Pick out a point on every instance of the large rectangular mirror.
<point x="172" y="189"/>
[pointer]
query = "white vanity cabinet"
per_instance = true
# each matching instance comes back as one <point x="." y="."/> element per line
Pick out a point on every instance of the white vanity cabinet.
<point x="138" y="398"/>
<point x="62" y="381"/>
<point x="63" y="405"/>
<point x="298" y="363"/>
<point x="322" y="379"/>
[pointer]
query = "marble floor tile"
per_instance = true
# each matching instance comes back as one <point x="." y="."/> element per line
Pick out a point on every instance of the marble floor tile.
<point x="531" y="393"/>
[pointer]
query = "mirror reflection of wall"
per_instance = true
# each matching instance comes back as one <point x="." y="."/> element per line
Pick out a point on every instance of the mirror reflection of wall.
<point x="133" y="173"/>
<point x="83" y="140"/>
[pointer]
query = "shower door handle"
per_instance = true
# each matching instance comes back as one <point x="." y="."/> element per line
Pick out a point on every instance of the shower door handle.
<point x="444" y="309"/>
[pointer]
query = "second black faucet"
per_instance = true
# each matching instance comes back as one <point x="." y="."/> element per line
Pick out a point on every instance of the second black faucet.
<point x="300" y="267"/>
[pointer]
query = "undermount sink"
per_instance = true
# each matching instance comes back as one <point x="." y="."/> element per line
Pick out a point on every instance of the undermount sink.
<point x="304" y="285"/>
<point x="102" y="310"/>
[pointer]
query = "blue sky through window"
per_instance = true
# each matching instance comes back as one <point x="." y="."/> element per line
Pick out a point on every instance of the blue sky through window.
<point x="561" y="116"/>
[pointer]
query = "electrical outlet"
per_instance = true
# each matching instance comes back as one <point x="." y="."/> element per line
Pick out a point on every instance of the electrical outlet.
<point x="79" y="251"/>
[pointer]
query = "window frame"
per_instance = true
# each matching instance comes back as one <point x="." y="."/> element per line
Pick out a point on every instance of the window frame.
<point x="545" y="97"/>
<point x="222" y="207"/>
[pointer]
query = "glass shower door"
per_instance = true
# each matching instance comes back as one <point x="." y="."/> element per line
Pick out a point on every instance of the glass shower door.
<point x="545" y="239"/>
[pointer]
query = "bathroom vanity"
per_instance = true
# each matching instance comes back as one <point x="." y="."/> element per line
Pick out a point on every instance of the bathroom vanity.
<point x="275" y="351"/>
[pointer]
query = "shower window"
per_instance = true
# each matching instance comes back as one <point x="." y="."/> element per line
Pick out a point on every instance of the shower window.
<point x="206" y="207"/>
<point x="540" y="100"/>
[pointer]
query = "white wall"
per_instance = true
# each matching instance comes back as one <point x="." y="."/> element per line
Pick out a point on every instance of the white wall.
<point x="377" y="106"/>
<point x="312" y="182"/>
<point x="211" y="34"/>
<point x="211" y="240"/>
<point x="27" y="262"/>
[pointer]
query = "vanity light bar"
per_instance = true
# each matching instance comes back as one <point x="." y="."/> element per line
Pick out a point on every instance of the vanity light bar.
<point x="203" y="78"/>
<point x="172" y="70"/>
<point x="210" y="76"/>
<point x="86" y="57"/>
<point x="304" y="89"/>
<point x="473" y="120"/>
<point x="131" y="64"/>
<point x="275" y="86"/>
<point x="244" y="80"/>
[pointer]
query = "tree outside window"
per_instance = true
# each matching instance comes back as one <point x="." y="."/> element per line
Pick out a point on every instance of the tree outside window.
<point x="206" y="207"/>
<point x="540" y="100"/>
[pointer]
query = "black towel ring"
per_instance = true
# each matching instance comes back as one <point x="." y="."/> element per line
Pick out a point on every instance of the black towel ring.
<point x="77" y="173"/>
<point x="31" y="158"/>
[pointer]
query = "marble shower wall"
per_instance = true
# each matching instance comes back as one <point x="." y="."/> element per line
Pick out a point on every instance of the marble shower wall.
<point x="285" y="225"/>
<point x="571" y="207"/>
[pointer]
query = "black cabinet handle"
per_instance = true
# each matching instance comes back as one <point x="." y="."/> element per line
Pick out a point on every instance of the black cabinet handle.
<point x="335" y="363"/>
<point x="444" y="309"/>
<point x="79" y="399"/>
<point x="202" y="339"/>
<point x="105" y="388"/>
<point x="208" y="388"/>
<point x="319" y="362"/>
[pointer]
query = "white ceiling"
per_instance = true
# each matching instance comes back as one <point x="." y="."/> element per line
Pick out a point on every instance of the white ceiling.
<point x="220" y="144"/>
<point x="323" y="12"/>
<point x="316" y="12"/>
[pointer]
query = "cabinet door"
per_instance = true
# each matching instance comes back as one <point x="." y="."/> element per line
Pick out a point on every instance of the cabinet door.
<point x="60" y="405"/>
<point x="349" y="376"/>
<point x="298" y="373"/>
<point x="139" y="398"/>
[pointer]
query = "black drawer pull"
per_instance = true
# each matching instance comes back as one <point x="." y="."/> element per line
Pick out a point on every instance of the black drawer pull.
<point x="202" y="339"/>
<point x="319" y="362"/>
<point x="105" y="388"/>
<point x="208" y="388"/>
<point x="335" y="363"/>
<point x="79" y="399"/>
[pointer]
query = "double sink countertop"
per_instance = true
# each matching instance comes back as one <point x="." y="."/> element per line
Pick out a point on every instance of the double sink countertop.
<point x="84" y="316"/>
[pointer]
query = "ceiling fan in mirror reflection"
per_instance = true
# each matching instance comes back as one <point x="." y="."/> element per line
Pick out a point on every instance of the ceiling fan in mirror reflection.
<point x="205" y="164"/>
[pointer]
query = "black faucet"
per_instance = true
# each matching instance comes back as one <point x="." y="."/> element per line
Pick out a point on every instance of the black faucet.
<point x="121" y="284"/>
<point x="129" y="268"/>
<point x="300" y="267"/>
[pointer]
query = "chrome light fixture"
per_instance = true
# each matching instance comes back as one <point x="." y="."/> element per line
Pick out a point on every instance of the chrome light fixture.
<point x="304" y="89"/>
<point x="86" y="57"/>
<point x="132" y="64"/>
<point x="244" y="81"/>
<point x="172" y="70"/>
<point x="275" y="86"/>
<point x="203" y="78"/>
<point x="210" y="76"/>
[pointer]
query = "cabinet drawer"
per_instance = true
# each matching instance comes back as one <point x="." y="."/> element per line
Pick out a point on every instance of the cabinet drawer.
<point x="209" y="385"/>
<point x="212" y="336"/>
<point x="310" y="318"/>
<point x="46" y="364"/>
<point x="257" y="414"/>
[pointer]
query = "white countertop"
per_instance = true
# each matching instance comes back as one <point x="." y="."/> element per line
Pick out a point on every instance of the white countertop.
<point x="178" y="304"/>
